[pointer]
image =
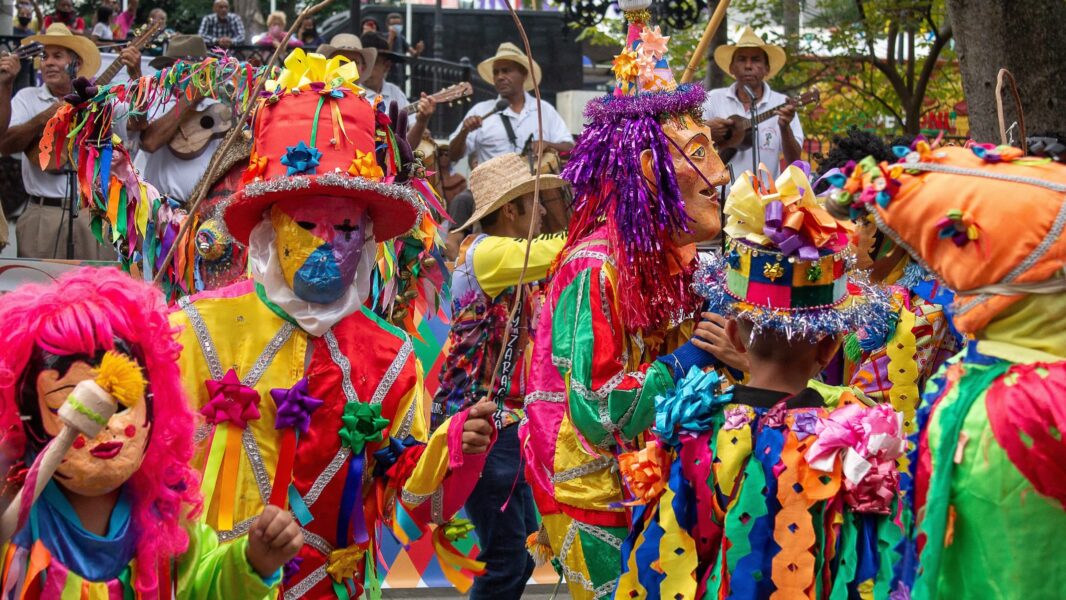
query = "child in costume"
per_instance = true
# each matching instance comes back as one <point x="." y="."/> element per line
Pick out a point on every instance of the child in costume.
<point x="783" y="487"/>
<point x="312" y="402"/>
<point x="119" y="517"/>
<point x="644" y="175"/>
<point x="988" y="490"/>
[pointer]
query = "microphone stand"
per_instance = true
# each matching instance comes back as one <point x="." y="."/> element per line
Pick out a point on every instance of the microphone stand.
<point x="754" y="134"/>
<point x="72" y="188"/>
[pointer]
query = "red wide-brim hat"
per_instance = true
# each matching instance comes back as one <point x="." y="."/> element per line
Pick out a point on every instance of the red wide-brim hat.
<point x="319" y="142"/>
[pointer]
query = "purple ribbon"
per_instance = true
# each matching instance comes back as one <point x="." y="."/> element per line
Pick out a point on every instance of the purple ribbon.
<point x="788" y="240"/>
<point x="295" y="406"/>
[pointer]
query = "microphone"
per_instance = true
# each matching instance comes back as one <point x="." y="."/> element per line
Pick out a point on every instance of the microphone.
<point x="501" y="105"/>
<point x="750" y="93"/>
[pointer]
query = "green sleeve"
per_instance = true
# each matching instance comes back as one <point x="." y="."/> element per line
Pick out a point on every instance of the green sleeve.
<point x="606" y="395"/>
<point x="210" y="569"/>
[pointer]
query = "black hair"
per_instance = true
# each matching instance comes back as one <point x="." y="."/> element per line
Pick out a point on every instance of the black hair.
<point x="855" y="146"/>
<point x="103" y="14"/>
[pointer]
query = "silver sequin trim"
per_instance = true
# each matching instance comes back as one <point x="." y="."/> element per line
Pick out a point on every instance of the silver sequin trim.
<point x="263" y="362"/>
<point x="341" y="361"/>
<point x="604" y="306"/>
<point x="305" y="585"/>
<point x="600" y="256"/>
<point x="251" y="448"/>
<point x="572" y="575"/>
<point x="207" y="346"/>
<point x="437" y="509"/>
<point x="556" y="397"/>
<point x="201" y="434"/>
<point x="241" y="529"/>
<point x="327" y="475"/>
<point x="399" y="192"/>
<point x="408" y="421"/>
<point x="600" y="534"/>
<point x="597" y="465"/>
<point x="412" y="499"/>
<point x="394" y="371"/>
<point x="317" y="542"/>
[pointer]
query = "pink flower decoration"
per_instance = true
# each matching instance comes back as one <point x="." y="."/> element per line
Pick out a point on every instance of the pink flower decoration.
<point x="230" y="401"/>
<point x="646" y="65"/>
<point x="654" y="42"/>
<point x="736" y="417"/>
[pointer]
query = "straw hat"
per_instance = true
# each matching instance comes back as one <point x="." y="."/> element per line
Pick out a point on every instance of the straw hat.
<point x="500" y="180"/>
<point x="345" y="44"/>
<point x="508" y="51"/>
<point x="57" y="34"/>
<point x="723" y="55"/>
<point x="180" y="46"/>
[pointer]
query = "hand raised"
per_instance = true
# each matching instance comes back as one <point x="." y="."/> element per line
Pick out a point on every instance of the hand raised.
<point x="477" y="431"/>
<point x="274" y="539"/>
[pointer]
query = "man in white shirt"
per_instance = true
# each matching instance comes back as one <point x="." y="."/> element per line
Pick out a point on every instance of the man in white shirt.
<point x="751" y="61"/>
<point x="42" y="230"/>
<point x="374" y="78"/>
<point x="484" y="134"/>
<point x="176" y="177"/>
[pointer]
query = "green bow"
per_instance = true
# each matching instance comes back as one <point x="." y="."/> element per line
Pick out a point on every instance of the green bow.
<point x="457" y="529"/>
<point x="362" y="423"/>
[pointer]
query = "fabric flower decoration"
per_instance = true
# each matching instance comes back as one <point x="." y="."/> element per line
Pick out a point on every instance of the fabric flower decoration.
<point x="736" y="417"/>
<point x="362" y="423"/>
<point x="775" y="417"/>
<point x="387" y="456"/>
<point x="643" y="472"/>
<point x="805" y="425"/>
<point x="295" y="406"/>
<point x="256" y="165"/>
<point x="301" y="159"/>
<point x="625" y="67"/>
<point x="343" y="563"/>
<point x="291" y="568"/>
<point x="458" y="529"/>
<point x="653" y="42"/>
<point x="959" y="226"/>
<point x="365" y="165"/>
<point x="230" y="401"/>
<point x="406" y="462"/>
<point x="646" y="66"/>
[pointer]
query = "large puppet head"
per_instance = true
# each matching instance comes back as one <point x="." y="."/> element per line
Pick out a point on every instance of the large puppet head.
<point x="53" y="336"/>
<point x="645" y="170"/>
<point x="330" y="176"/>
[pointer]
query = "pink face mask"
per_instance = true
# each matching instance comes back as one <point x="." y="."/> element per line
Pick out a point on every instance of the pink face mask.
<point x="319" y="243"/>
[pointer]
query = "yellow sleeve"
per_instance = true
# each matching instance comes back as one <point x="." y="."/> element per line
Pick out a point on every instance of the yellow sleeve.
<point x="498" y="261"/>
<point x="411" y="416"/>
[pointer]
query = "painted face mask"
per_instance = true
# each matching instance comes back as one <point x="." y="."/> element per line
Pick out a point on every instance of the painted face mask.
<point x="319" y="243"/>
<point x="698" y="169"/>
<point x="101" y="465"/>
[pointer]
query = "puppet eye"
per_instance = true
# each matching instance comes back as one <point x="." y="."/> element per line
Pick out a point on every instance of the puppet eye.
<point x="308" y="225"/>
<point x="699" y="152"/>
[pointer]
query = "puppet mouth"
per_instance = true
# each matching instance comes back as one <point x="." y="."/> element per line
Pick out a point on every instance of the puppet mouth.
<point x="107" y="450"/>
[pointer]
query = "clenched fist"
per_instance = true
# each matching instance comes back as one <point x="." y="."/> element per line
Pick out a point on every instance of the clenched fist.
<point x="477" y="431"/>
<point x="274" y="539"/>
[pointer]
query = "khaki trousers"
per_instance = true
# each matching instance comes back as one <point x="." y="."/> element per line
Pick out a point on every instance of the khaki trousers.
<point x="41" y="232"/>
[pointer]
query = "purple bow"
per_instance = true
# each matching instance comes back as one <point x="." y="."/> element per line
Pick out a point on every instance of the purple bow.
<point x="806" y="425"/>
<point x="788" y="240"/>
<point x="736" y="417"/>
<point x="295" y="406"/>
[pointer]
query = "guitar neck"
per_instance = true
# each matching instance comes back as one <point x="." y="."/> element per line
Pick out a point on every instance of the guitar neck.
<point x="116" y="66"/>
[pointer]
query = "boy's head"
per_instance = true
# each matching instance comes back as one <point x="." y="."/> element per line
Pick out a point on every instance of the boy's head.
<point x="773" y="350"/>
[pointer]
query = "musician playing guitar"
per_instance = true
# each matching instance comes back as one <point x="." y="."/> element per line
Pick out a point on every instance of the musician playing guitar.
<point x="175" y="175"/>
<point x="41" y="231"/>
<point x="751" y="61"/>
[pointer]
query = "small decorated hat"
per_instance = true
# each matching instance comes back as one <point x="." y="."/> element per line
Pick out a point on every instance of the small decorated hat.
<point x="787" y="264"/>
<point x="987" y="220"/>
<point x="315" y="134"/>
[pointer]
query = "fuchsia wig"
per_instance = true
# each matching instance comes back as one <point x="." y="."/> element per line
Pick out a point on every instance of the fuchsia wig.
<point x="84" y="313"/>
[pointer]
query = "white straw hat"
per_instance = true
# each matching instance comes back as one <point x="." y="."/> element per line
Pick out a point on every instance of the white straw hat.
<point x="500" y="180"/>
<point x="508" y="51"/>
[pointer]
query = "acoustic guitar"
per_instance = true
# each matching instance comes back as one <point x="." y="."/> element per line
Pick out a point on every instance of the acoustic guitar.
<point x="60" y="161"/>
<point x="738" y="137"/>
<point x="447" y="95"/>
<point x="199" y="127"/>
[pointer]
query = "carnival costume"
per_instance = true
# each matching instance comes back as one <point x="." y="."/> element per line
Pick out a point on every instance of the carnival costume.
<point x="988" y="482"/>
<point x="618" y="290"/>
<point x="312" y="401"/>
<point x="753" y="493"/>
<point x="155" y="546"/>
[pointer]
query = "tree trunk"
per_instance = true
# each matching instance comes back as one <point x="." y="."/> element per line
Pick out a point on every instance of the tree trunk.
<point x="791" y="21"/>
<point x="715" y="77"/>
<point x="1023" y="36"/>
<point x="254" y="22"/>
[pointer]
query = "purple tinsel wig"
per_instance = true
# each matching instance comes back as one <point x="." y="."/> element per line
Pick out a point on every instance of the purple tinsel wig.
<point x="610" y="191"/>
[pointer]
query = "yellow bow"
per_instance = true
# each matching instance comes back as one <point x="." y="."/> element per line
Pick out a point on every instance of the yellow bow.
<point x="344" y="562"/>
<point x="365" y="164"/>
<point x="302" y="69"/>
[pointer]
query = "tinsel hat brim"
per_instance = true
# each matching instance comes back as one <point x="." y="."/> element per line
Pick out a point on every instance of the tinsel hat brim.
<point x="865" y="306"/>
<point x="394" y="208"/>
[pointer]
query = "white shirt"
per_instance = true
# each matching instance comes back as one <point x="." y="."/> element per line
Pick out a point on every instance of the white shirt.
<point x="102" y="31"/>
<point x="27" y="104"/>
<point x="491" y="139"/>
<point x="390" y="92"/>
<point x="172" y="175"/>
<point x="723" y="103"/>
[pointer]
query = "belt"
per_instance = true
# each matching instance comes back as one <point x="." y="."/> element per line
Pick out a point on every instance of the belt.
<point x="55" y="202"/>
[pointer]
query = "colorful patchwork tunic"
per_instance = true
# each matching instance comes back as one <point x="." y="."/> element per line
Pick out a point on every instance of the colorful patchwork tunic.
<point x="990" y="480"/>
<point x="591" y="397"/>
<point x="331" y="427"/>
<point x="54" y="558"/>
<point x="751" y="493"/>
<point x="483" y="284"/>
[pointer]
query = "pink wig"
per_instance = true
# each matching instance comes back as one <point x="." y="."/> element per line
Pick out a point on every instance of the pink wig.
<point x="83" y="313"/>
